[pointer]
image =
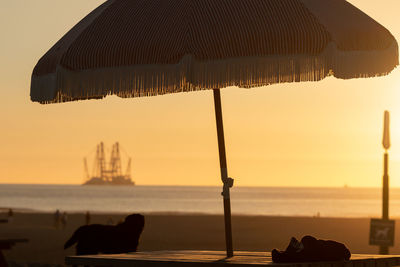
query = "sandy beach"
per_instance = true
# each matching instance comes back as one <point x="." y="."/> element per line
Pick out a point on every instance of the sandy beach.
<point x="185" y="231"/>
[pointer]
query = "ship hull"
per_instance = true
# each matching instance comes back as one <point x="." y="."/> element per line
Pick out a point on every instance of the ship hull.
<point x="114" y="181"/>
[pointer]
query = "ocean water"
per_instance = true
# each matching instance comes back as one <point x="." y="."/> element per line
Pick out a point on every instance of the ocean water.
<point x="327" y="202"/>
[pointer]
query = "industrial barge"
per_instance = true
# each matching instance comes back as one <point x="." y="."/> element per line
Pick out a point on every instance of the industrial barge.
<point x="108" y="173"/>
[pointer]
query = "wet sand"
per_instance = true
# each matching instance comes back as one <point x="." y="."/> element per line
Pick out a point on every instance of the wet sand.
<point x="186" y="231"/>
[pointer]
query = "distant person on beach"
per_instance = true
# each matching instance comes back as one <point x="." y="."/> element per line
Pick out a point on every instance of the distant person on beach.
<point x="10" y="215"/>
<point x="110" y="221"/>
<point x="64" y="220"/>
<point x="108" y="239"/>
<point x="87" y="217"/>
<point x="56" y="219"/>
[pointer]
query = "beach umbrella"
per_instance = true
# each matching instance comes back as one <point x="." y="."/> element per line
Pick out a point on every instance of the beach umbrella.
<point x="135" y="48"/>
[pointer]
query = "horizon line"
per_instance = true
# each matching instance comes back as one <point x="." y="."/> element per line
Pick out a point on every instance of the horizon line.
<point x="180" y="185"/>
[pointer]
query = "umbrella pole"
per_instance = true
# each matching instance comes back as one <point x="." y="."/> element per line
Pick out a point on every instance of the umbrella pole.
<point x="228" y="182"/>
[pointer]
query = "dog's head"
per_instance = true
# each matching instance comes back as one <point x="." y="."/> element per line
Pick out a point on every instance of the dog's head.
<point x="135" y="221"/>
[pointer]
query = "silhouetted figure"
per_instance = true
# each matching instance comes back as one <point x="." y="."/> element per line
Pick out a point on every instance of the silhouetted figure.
<point x="311" y="249"/>
<point x="10" y="215"/>
<point x="106" y="239"/>
<point x="64" y="219"/>
<point x="87" y="218"/>
<point x="110" y="221"/>
<point x="57" y="219"/>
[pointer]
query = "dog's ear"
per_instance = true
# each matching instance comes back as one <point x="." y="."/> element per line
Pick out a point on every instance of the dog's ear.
<point x="135" y="220"/>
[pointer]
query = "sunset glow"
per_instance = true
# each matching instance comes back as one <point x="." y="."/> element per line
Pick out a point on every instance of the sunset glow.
<point x="316" y="134"/>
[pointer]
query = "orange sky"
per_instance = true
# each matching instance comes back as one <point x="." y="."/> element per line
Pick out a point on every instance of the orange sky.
<point x="310" y="134"/>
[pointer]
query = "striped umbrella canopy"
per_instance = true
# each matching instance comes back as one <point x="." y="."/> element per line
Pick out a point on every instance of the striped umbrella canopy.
<point x="134" y="48"/>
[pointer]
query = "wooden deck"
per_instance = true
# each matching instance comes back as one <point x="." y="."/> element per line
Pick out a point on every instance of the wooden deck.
<point x="9" y="243"/>
<point x="188" y="258"/>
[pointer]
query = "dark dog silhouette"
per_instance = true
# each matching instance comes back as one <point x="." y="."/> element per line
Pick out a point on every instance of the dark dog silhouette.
<point x="311" y="249"/>
<point x="108" y="239"/>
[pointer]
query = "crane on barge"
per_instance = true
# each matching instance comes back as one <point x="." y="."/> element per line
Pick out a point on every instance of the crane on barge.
<point x="108" y="173"/>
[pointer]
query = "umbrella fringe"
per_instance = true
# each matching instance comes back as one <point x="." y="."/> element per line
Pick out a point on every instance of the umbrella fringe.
<point x="191" y="75"/>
